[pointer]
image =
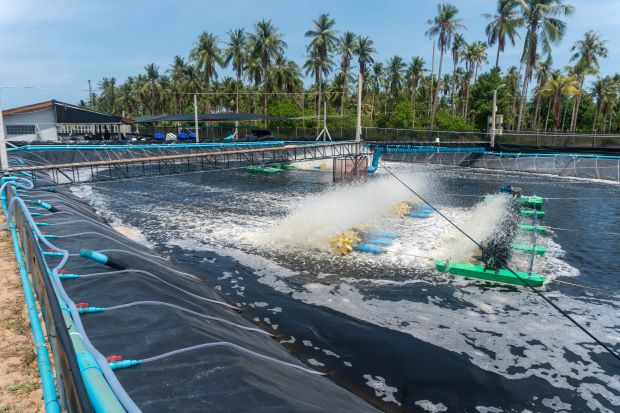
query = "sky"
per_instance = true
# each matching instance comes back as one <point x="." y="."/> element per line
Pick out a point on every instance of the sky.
<point x="57" y="46"/>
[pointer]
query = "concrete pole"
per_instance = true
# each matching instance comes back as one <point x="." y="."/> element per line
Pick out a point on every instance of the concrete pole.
<point x="358" y="129"/>
<point x="196" y="118"/>
<point x="4" y="161"/>
<point x="324" y="116"/>
<point x="493" y="114"/>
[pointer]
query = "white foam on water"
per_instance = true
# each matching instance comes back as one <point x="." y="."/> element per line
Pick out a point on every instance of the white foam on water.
<point x="381" y="388"/>
<point x="314" y="362"/>
<point x="487" y="409"/>
<point x="429" y="406"/>
<point x="100" y="204"/>
<point x="556" y="404"/>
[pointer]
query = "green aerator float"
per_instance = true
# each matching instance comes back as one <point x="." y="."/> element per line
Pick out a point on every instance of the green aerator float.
<point x="528" y="248"/>
<point x="529" y="207"/>
<point x="478" y="271"/>
<point x="271" y="169"/>
<point x="529" y="228"/>
<point x="264" y="170"/>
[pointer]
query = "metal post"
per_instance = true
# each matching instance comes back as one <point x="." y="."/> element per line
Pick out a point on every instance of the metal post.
<point x="4" y="161"/>
<point x="358" y="128"/>
<point x="196" y="118"/>
<point x="493" y="114"/>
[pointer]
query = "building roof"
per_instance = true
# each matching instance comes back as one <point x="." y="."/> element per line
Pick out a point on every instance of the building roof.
<point x="67" y="113"/>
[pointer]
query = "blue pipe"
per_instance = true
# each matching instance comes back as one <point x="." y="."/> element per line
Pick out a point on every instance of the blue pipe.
<point x="550" y="155"/>
<point x="48" y="385"/>
<point x="100" y="392"/>
<point x="378" y="150"/>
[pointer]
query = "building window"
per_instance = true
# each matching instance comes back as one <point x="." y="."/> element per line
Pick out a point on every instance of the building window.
<point x="20" y="129"/>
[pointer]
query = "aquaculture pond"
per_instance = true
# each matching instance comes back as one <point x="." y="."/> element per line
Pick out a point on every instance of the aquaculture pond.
<point x="388" y="326"/>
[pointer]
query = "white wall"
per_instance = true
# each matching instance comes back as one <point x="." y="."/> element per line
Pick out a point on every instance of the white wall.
<point x="44" y="121"/>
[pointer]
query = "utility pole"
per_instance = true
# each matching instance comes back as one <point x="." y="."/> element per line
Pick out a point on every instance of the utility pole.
<point x="196" y="118"/>
<point x="358" y="128"/>
<point x="4" y="161"/>
<point x="90" y="95"/>
<point x="493" y="115"/>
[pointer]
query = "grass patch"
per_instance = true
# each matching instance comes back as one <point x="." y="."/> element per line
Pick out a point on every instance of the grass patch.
<point x="22" y="387"/>
<point x="15" y="320"/>
<point x="7" y="408"/>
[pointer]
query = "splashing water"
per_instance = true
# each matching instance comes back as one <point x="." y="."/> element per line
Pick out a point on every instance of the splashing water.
<point x="482" y="222"/>
<point x="312" y="223"/>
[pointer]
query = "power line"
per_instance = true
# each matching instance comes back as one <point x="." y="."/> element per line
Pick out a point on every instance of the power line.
<point x="505" y="265"/>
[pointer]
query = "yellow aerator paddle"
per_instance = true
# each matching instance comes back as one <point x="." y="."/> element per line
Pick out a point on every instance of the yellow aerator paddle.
<point x="401" y="209"/>
<point x="342" y="243"/>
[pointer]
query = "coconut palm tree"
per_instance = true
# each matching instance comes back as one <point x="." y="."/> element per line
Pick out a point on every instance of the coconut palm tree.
<point x="394" y="75"/>
<point x="206" y="56"/>
<point x="556" y="87"/>
<point x="415" y="71"/>
<point x="543" y="72"/>
<point x="606" y="92"/>
<point x="458" y="43"/>
<point x="475" y="54"/>
<point x="323" y="42"/>
<point x="319" y="68"/>
<point x="175" y="71"/>
<point x="265" y="44"/>
<point x="285" y="75"/>
<point x="586" y="53"/>
<point x="235" y="52"/>
<point x="346" y="47"/>
<point x="107" y="99"/>
<point x="364" y="49"/>
<point x="543" y="28"/>
<point x="190" y="83"/>
<point x="151" y="88"/>
<point x="376" y="81"/>
<point x="513" y="76"/>
<point x="443" y="27"/>
<point x="504" y="25"/>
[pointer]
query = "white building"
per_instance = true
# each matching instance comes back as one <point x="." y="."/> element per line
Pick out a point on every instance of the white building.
<point x="54" y="121"/>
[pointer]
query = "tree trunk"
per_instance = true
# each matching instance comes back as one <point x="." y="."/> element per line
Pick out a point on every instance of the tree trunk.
<point x="237" y="95"/>
<point x="595" y="118"/>
<point x="557" y="109"/>
<point x="535" y="124"/>
<point x="564" y="117"/>
<point x="454" y="89"/>
<point x="435" y="93"/>
<point x="430" y="105"/>
<point x="372" y="109"/>
<point x="318" y="112"/>
<point x="575" y="117"/>
<point x="344" y="92"/>
<point x="497" y="57"/>
<point x="548" y="111"/>
<point x="528" y="69"/>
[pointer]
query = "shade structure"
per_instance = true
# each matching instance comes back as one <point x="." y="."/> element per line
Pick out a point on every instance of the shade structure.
<point x="205" y="117"/>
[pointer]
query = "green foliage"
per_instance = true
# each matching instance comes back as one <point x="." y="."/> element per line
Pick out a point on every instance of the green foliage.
<point x="482" y="97"/>
<point x="283" y="108"/>
<point x="401" y="116"/>
<point x="444" y="121"/>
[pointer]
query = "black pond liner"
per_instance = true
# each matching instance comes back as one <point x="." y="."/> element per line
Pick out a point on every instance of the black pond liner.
<point x="216" y="379"/>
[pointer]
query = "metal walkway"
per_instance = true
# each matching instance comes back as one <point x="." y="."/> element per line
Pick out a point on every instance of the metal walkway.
<point x="126" y="164"/>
